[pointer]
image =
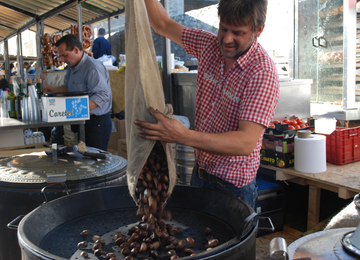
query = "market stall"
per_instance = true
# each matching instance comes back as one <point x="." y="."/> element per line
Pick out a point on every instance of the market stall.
<point x="111" y="208"/>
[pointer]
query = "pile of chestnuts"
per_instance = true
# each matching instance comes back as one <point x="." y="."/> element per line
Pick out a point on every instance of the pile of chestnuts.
<point x="153" y="183"/>
<point x="151" y="233"/>
<point x="138" y="241"/>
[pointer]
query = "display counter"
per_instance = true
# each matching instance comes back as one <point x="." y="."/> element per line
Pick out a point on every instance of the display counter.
<point x="7" y="124"/>
<point x="10" y="123"/>
<point x="341" y="179"/>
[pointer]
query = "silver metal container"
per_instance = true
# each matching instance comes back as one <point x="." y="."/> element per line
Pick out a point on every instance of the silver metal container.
<point x="185" y="161"/>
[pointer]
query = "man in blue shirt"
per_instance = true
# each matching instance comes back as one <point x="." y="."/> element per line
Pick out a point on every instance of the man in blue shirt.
<point x="101" y="46"/>
<point x="87" y="74"/>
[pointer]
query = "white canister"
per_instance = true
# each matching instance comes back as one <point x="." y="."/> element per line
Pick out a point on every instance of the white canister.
<point x="310" y="153"/>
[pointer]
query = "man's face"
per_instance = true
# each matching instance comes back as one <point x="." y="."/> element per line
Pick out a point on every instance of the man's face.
<point x="71" y="58"/>
<point x="235" y="40"/>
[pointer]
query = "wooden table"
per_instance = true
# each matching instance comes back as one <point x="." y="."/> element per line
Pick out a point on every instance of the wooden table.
<point x="341" y="179"/>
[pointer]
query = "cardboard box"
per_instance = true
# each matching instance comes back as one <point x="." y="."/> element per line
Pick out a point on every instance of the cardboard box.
<point x="62" y="109"/>
<point x="11" y="138"/>
<point x="118" y="131"/>
<point x="277" y="145"/>
<point x="122" y="148"/>
<point x="277" y="159"/>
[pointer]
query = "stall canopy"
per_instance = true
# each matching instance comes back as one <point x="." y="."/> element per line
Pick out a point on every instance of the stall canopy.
<point x="57" y="15"/>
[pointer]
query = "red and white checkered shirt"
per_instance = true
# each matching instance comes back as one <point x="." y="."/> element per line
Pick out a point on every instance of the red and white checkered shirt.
<point x="248" y="91"/>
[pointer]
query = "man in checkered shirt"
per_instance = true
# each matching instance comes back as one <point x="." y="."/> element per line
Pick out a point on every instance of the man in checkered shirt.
<point x="237" y="93"/>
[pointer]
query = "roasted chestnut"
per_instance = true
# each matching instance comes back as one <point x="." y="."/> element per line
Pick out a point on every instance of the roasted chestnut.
<point x="143" y="247"/>
<point x="125" y="251"/>
<point x="154" y="254"/>
<point x="84" y="254"/>
<point x="135" y="251"/>
<point x="181" y="245"/>
<point x="188" y="251"/>
<point x="99" y="252"/>
<point x="213" y="242"/>
<point x="120" y="241"/>
<point x="85" y="233"/>
<point x="100" y="241"/>
<point x="97" y="246"/>
<point x="171" y="253"/>
<point x="207" y="231"/>
<point x="109" y="255"/>
<point x="82" y="244"/>
<point x="155" y="245"/>
<point x="117" y="235"/>
<point x="190" y="241"/>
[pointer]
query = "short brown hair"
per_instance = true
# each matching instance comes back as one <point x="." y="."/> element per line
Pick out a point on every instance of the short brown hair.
<point x="251" y="12"/>
<point x="71" y="41"/>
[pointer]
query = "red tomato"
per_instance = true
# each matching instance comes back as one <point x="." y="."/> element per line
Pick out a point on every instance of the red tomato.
<point x="297" y="127"/>
<point x="271" y="125"/>
<point x="286" y="121"/>
<point x="276" y="122"/>
<point x="303" y="126"/>
<point x="299" y="121"/>
<point x="293" y="122"/>
<point x="291" y="127"/>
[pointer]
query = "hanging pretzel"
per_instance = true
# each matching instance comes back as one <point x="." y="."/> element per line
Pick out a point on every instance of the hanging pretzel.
<point x="86" y="43"/>
<point x="54" y="51"/>
<point x="87" y="32"/>
<point x="57" y="61"/>
<point x="48" y="61"/>
<point x="55" y="38"/>
<point x="45" y="39"/>
<point x="47" y="49"/>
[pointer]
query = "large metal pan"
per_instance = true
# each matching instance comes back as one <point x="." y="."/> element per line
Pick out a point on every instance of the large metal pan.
<point x="52" y="231"/>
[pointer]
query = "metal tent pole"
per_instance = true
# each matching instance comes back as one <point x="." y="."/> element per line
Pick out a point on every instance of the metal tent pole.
<point x="80" y="21"/>
<point x="166" y="58"/>
<point x="20" y="57"/>
<point x="39" y="63"/>
<point x="109" y="29"/>
<point x="7" y="60"/>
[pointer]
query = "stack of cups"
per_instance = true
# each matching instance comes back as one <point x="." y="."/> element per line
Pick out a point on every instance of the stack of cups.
<point x="4" y="110"/>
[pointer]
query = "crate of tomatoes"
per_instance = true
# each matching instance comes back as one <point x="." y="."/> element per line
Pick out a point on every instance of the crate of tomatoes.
<point x="278" y="141"/>
<point x="287" y="127"/>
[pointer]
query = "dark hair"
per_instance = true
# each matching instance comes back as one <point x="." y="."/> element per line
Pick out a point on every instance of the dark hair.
<point x="101" y="31"/>
<point x="71" y="41"/>
<point x="251" y="12"/>
<point x="12" y="65"/>
<point x="26" y="63"/>
<point x="4" y="84"/>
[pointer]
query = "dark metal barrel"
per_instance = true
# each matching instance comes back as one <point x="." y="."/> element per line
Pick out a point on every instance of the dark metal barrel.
<point x="110" y="210"/>
<point x="23" y="177"/>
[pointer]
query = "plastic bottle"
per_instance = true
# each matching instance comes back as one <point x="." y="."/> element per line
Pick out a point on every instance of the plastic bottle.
<point x="20" y="98"/>
<point x="11" y="102"/>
